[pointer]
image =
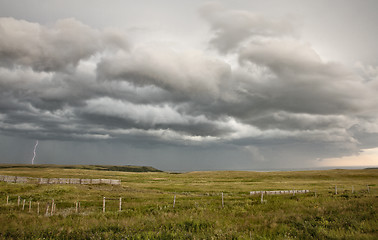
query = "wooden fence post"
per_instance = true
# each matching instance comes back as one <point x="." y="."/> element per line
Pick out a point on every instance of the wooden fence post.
<point x="120" y="204"/>
<point x="352" y="189"/>
<point x="336" y="189"/>
<point x="29" y="205"/>
<point x="76" y="210"/>
<point x="18" y="201"/>
<point x="174" y="201"/>
<point x="7" y="200"/>
<point x="52" y="207"/>
<point x="222" y="201"/>
<point x="38" y="208"/>
<point x="23" y="205"/>
<point x="262" y="197"/>
<point x="103" y="205"/>
<point x="368" y="188"/>
<point x="47" y="209"/>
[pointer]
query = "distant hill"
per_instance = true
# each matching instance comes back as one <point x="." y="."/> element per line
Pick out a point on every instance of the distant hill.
<point x="127" y="168"/>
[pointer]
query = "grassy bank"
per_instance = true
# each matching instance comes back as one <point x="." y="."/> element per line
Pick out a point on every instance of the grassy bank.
<point x="127" y="168"/>
<point x="148" y="211"/>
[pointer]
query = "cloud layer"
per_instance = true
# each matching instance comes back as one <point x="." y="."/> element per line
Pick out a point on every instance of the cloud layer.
<point x="69" y="81"/>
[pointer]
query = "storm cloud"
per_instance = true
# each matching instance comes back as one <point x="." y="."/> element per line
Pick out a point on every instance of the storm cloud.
<point x="233" y="27"/>
<point x="264" y="87"/>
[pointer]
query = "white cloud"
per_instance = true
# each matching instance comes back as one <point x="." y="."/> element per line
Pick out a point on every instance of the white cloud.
<point x="146" y="114"/>
<point x="58" y="47"/>
<point x="232" y="27"/>
<point x="189" y="72"/>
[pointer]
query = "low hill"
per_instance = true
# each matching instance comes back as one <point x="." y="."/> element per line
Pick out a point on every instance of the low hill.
<point x="127" y="168"/>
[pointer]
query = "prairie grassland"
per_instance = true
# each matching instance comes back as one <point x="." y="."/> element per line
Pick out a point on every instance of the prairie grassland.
<point x="148" y="211"/>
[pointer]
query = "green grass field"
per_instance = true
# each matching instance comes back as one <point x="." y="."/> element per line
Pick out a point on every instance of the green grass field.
<point x="148" y="212"/>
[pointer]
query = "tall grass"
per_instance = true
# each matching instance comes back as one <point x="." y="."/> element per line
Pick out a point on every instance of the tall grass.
<point x="148" y="212"/>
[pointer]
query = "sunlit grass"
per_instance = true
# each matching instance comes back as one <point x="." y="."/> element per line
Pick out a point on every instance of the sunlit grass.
<point x="148" y="212"/>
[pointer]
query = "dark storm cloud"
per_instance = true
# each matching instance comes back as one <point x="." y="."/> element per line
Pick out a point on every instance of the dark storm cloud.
<point x="282" y="84"/>
<point x="265" y="89"/>
<point x="299" y="76"/>
<point x="74" y="97"/>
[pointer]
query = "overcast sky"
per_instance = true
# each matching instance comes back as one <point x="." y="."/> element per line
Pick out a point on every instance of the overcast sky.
<point x="190" y="85"/>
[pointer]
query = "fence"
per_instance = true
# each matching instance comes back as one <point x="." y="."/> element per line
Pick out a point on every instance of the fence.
<point x="16" y="179"/>
<point x="278" y="192"/>
<point x="111" y="204"/>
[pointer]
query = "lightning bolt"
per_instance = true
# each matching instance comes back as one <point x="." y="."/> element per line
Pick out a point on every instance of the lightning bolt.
<point x="35" y="147"/>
